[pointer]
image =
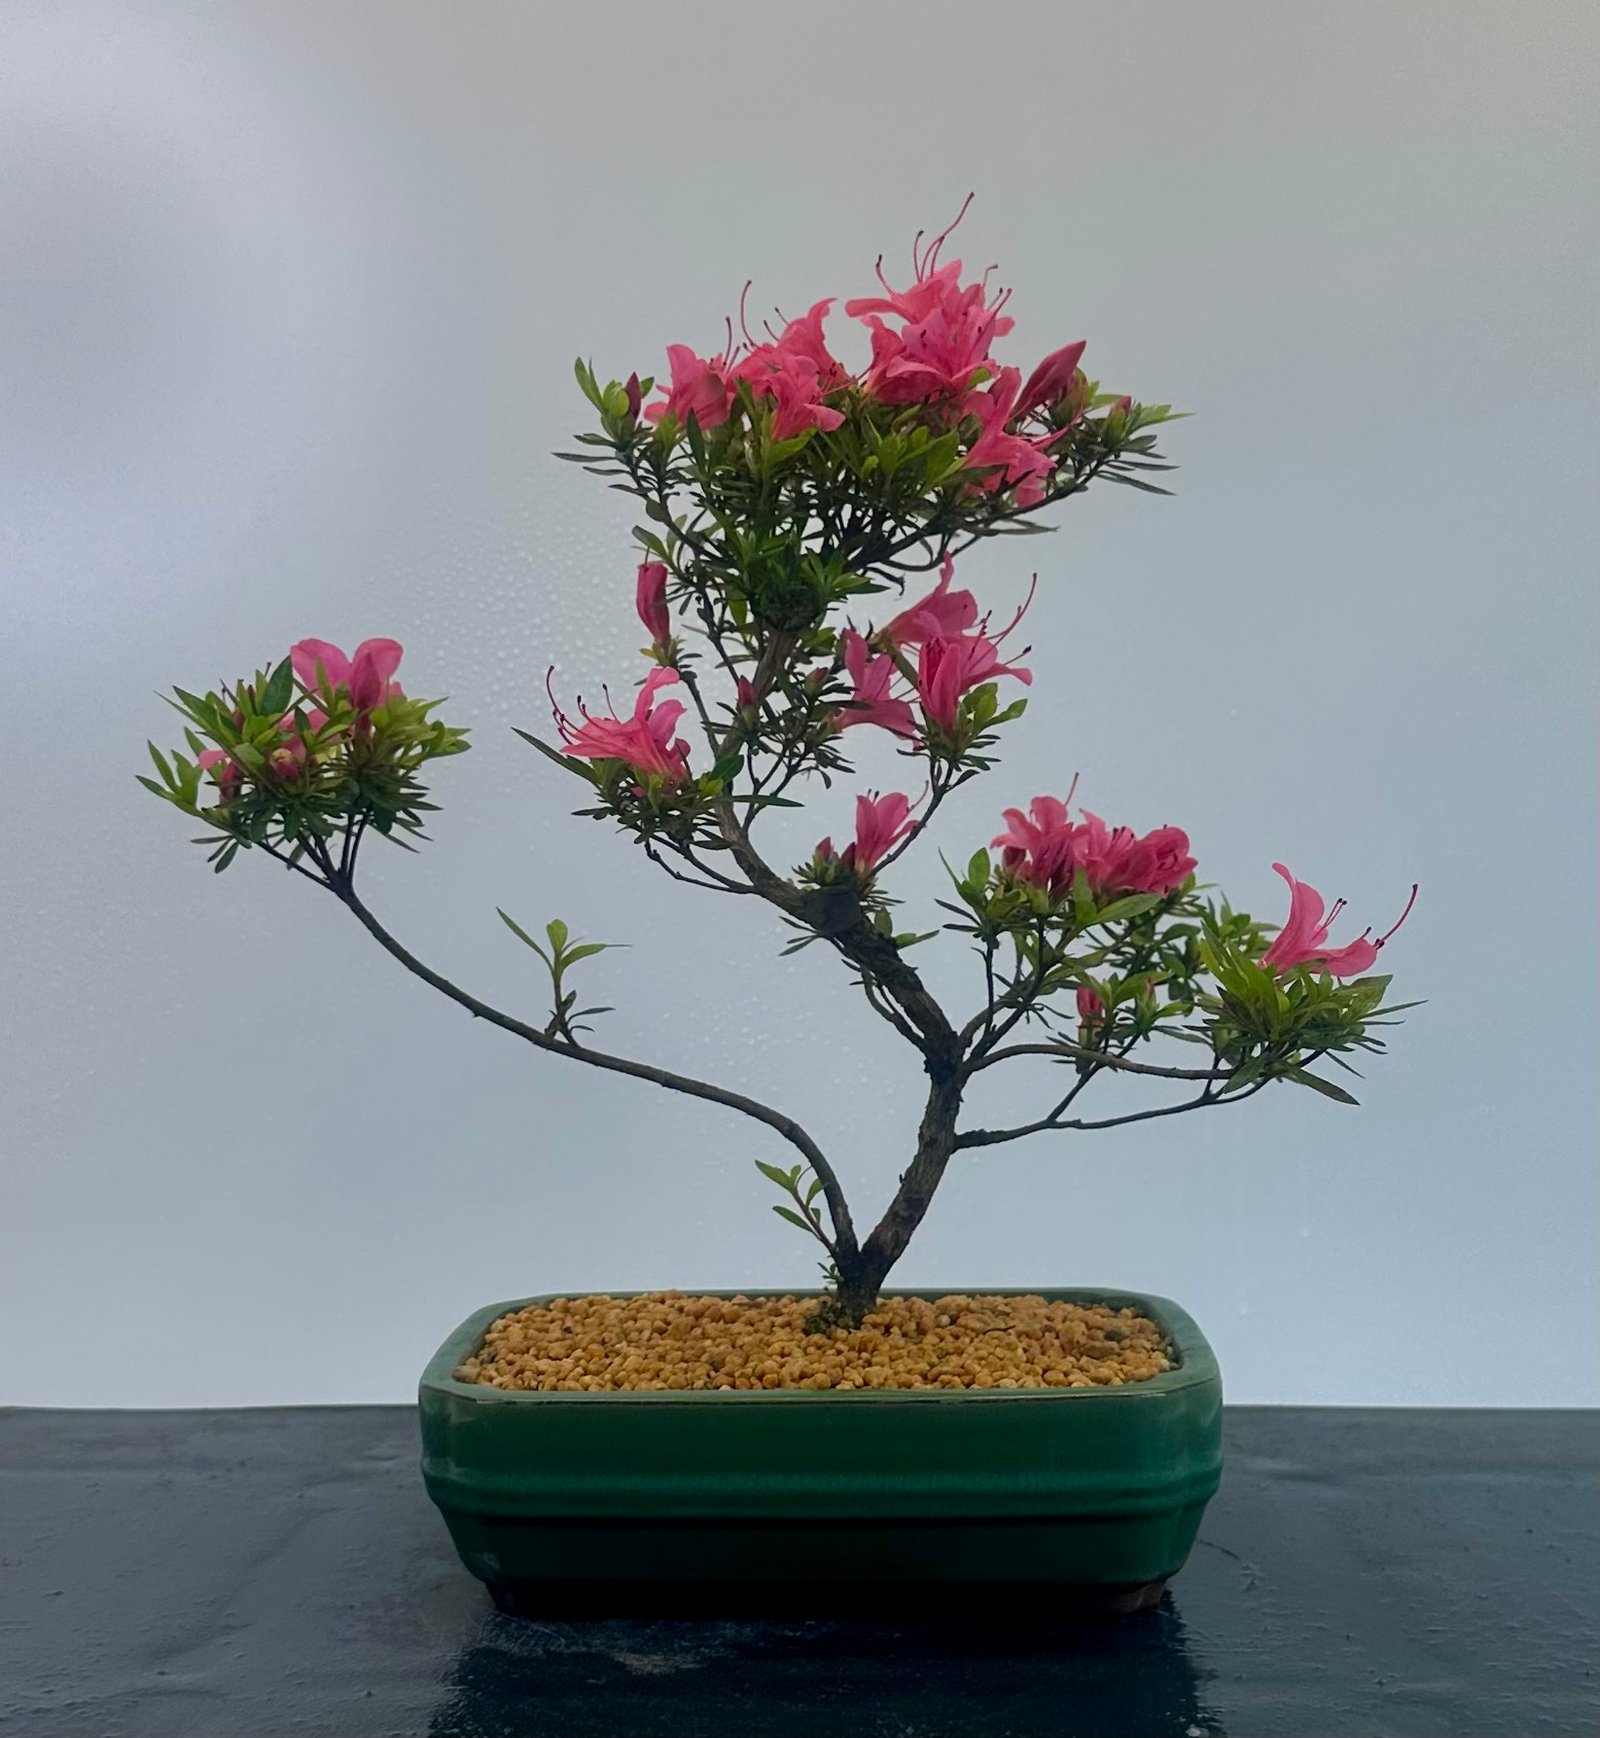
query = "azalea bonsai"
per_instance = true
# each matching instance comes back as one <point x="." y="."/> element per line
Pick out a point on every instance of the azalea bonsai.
<point x="797" y="581"/>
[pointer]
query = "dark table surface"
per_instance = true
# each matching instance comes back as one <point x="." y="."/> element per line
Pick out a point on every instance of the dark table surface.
<point x="281" y="1571"/>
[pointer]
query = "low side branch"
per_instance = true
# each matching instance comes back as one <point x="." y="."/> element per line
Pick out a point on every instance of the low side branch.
<point x="785" y="1126"/>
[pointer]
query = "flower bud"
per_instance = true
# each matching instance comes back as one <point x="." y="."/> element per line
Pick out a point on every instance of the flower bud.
<point x="287" y="761"/>
<point x="650" y="599"/>
<point x="1052" y="381"/>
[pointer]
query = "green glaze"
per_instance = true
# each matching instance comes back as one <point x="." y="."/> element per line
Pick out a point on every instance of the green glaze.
<point x="1092" y="1486"/>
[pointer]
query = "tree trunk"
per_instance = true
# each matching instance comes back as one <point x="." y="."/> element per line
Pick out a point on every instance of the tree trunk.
<point x="862" y="1275"/>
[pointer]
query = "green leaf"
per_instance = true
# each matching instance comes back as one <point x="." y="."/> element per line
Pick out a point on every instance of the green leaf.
<point x="585" y="949"/>
<point x="151" y="785"/>
<point x="570" y="762"/>
<point x="978" y="869"/>
<point x="1112" y="475"/>
<point x="1318" y="1084"/>
<point x="168" y="778"/>
<point x="793" y="1218"/>
<point x="522" y="935"/>
<point x="557" y="931"/>
<point x="773" y="1173"/>
<point x="279" y="690"/>
<point x="204" y="711"/>
<point x="586" y="381"/>
<point x="1134" y="905"/>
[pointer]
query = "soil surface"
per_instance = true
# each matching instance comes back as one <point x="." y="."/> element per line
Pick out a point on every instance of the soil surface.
<point x="667" y="1340"/>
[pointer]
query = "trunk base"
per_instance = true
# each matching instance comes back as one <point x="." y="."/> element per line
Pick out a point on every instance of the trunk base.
<point x="848" y="1307"/>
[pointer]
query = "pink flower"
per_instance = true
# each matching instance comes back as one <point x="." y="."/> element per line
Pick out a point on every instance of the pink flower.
<point x="1090" y="1008"/>
<point x="699" y="388"/>
<point x="1157" y="863"/>
<point x="802" y="338"/>
<point x="794" y="385"/>
<point x="914" y="305"/>
<point x="947" y="668"/>
<point x="644" y="742"/>
<point x="1008" y="460"/>
<point x="944" y="334"/>
<point x="1037" y="847"/>
<point x="1303" y="939"/>
<point x="650" y="600"/>
<point x="881" y="823"/>
<point x="1117" y="860"/>
<point x="943" y="612"/>
<point x="939" y="354"/>
<point x="872" y="677"/>
<point x="365" y="677"/>
<point x="1052" y="380"/>
<point x="1046" y="849"/>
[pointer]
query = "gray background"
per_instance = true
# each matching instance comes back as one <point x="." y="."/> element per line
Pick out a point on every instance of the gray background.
<point x="288" y="308"/>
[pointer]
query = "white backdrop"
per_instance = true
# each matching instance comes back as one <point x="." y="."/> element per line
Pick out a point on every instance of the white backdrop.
<point x="289" y="305"/>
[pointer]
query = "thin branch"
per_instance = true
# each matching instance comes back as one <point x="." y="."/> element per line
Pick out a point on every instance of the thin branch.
<point x="885" y="1011"/>
<point x="289" y="863"/>
<point x="1061" y="1050"/>
<point x="714" y="883"/>
<point x="1021" y="1001"/>
<point x="985" y="1137"/>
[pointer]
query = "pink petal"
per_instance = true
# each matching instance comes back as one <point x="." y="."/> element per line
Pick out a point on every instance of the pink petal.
<point x="308" y="654"/>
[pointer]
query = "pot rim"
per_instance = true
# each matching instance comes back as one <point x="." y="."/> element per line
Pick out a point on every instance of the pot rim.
<point x="1195" y="1363"/>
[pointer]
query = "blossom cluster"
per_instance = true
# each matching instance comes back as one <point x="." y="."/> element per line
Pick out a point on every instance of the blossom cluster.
<point x="322" y="742"/>
<point x="364" y="681"/>
<point x="1047" y="849"/>
<point x="932" y="347"/>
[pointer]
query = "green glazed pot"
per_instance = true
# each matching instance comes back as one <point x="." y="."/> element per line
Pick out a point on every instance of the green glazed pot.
<point x="1087" y="1488"/>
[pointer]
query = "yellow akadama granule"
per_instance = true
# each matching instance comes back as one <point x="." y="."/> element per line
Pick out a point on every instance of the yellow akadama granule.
<point x="667" y="1340"/>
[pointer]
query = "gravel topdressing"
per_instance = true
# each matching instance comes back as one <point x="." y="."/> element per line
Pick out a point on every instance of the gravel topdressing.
<point x="667" y="1340"/>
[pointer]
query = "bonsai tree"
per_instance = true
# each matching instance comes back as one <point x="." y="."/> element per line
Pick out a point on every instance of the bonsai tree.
<point x="802" y="525"/>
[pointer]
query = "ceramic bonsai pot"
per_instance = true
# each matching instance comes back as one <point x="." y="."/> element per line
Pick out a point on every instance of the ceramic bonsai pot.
<point x="1095" y="1490"/>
